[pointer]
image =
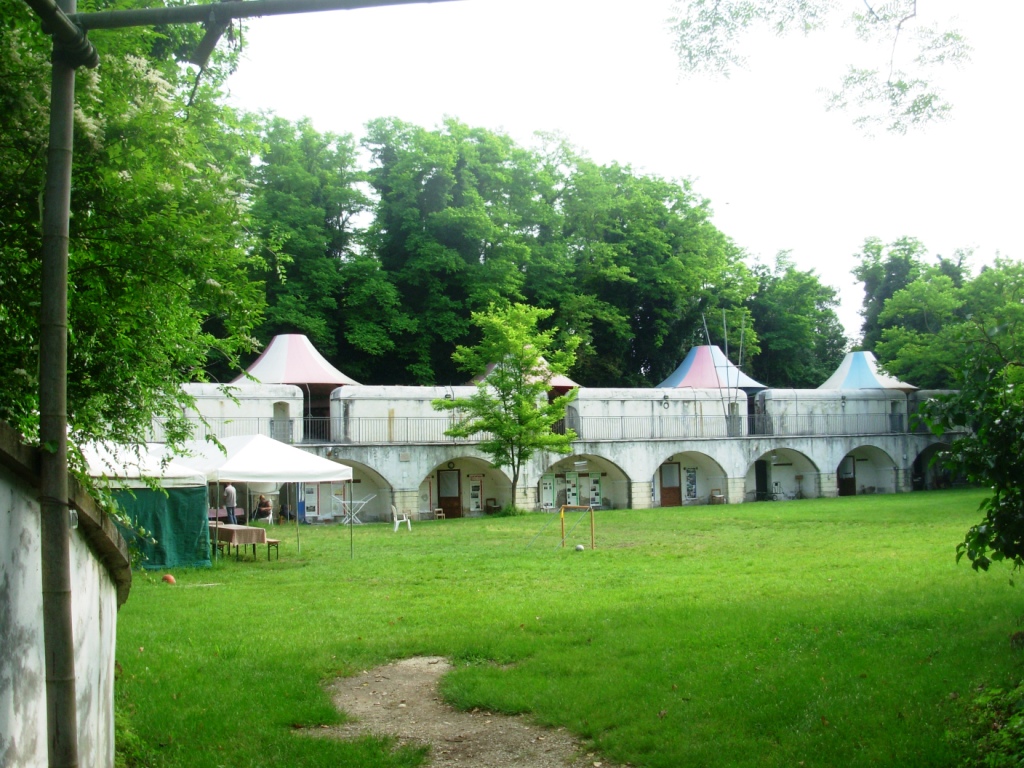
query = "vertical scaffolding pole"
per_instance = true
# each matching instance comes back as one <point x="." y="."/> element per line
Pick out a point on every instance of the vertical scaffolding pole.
<point x="55" y="524"/>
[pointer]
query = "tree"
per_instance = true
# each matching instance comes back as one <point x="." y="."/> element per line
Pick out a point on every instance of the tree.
<point x="925" y="324"/>
<point x="306" y="200"/>
<point x="511" y="407"/>
<point x="801" y="338"/>
<point x="899" y="93"/>
<point x="159" y="261"/>
<point x="646" y="264"/>
<point x="452" y="233"/>
<point x="989" y="403"/>
<point x="884" y="270"/>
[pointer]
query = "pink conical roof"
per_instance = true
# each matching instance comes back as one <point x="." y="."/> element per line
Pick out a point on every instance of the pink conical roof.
<point x="707" y="367"/>
<point x="292" y="359"/>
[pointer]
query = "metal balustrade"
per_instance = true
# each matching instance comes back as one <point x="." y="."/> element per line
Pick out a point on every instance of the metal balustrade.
<point x="425" y="430"/>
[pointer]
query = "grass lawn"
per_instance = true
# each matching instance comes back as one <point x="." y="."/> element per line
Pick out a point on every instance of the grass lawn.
<point x="833" y="632"/>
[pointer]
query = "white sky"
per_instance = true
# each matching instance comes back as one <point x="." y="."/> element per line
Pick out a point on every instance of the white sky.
<point x="780" y="172"/>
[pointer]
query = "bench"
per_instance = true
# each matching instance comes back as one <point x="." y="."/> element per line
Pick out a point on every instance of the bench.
<point x="276" y="544"/>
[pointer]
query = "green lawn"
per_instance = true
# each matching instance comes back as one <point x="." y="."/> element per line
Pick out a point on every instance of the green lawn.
<point x="833" y="632"/>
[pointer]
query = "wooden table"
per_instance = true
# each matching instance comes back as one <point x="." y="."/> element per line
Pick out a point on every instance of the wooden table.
<point x="239" y="536"/>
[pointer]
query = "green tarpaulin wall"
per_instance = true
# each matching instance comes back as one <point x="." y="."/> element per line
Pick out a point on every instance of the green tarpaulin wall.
<point x="176" y="519"/>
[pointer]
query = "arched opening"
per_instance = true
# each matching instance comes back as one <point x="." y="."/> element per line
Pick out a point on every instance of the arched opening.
<point x="583" y="480"/>
<point x="281" y="423"/>
<point x="928" y="472"/>
<point x="464" y="486"/>
<point x="864" y="471"/>
<point x="689" y="478"/>
<point x="781" y="474"/>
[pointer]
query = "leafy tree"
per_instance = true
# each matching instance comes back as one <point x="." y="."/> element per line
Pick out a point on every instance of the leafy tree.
<point x="452" y="234"/>
<point x="989" y="402"/>
<point x="158" y="264"/>
<point x="898" y="94"/>
<point x="885" y="269"/>
<point x="801" y="338"/>
<point x="511" y="407"/>
<point x="646" y="264"/>
<point x="305" y="203"/>
<point x="923" y="324"/>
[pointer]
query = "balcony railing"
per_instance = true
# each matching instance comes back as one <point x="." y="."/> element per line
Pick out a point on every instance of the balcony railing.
<point x="423" y="430"/>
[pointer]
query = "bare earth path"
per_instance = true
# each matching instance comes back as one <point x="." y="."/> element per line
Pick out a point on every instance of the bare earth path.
<point x="401" y="700"/>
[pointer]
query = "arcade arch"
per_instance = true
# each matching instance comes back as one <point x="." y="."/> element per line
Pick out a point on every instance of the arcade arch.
<point x="369" y="492"/>
<point x="866" y="470"/>
<point x="464" y="486"/>
<point x="583" y="479"/>
<point x="688" y="477"/>
<point x="928" y="472"/>
<point x="782" y="473"/>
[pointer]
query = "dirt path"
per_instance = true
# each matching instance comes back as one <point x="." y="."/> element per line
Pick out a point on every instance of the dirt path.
<point x="401" y="700"/>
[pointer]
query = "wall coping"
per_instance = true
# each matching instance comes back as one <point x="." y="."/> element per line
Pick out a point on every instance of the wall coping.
<point x="96" y="526"/>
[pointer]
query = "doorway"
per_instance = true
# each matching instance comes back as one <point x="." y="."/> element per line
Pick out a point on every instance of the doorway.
<point x="449" y="492"/>
<point x="847" y="479"/>
<point x="671" y="489"/>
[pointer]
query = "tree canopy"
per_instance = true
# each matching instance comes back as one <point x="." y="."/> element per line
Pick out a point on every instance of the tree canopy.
<point x="158" y="264"/>
<point x="921" y="312"/>
<point x="989" y="403"/>
<point x="802" y="341"/>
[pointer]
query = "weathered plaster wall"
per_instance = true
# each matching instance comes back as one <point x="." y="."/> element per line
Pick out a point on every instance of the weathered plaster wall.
<point x="100" y="577"/>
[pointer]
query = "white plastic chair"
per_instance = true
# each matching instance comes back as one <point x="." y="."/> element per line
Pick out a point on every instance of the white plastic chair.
<point x="400" y="517"/>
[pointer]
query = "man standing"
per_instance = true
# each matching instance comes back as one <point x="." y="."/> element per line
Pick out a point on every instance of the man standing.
<point x="230" y="502"/>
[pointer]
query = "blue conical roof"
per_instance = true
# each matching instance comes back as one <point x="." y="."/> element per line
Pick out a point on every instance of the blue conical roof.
<point x="859" y="370"/>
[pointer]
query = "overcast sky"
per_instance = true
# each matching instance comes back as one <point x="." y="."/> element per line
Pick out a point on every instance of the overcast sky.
<point x="781" y="173"/>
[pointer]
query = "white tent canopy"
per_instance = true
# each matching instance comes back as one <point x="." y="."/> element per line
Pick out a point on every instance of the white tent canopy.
<point x="130" y="465"/>
<point x="260" y="459"/>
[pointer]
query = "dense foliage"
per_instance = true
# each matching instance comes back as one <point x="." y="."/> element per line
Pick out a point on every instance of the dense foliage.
<point x="989" y="401"/>
<point x="993" y="735"/>
<point x="460" y="218"/>
<point x="158" y="263"/>
<point x="801" y="339"/>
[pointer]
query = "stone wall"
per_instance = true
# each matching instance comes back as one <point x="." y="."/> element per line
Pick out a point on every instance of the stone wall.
<point x="101" y="579"/>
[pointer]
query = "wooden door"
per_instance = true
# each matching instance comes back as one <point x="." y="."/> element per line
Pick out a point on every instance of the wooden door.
<point x="449" y="495"/>
<point x="671" y="490"/>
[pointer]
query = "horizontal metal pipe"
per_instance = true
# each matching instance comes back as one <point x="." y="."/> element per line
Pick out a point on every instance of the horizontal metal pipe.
<point x="236" y="9"/>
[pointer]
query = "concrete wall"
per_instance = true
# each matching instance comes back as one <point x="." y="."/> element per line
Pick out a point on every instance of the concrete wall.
<point x="272" y="409"/>
<point x="100" y="577"/>
<point x="395" y="442"/>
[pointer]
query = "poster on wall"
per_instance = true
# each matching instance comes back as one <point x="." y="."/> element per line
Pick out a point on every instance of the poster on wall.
<point x="312" y="498"/>
<point x="691" y="482"/>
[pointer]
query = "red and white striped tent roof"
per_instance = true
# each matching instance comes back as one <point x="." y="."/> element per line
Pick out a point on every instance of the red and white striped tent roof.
<point x="292" y="359"/>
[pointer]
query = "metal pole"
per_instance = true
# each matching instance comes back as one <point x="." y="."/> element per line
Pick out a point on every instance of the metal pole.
<point x="55" y="524"/>
<point x="213" y="13"/>
<point x="298" y="544"/>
